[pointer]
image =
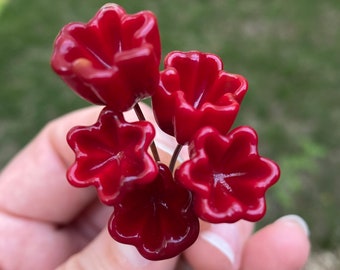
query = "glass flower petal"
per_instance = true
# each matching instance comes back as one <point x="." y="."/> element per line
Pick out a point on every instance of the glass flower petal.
<point x="113" y="59"/>
<point x="227" y="175"/>
<point x="157" y="218"/>
<point x="112" y="155"/>
<point x="194" y="92"/>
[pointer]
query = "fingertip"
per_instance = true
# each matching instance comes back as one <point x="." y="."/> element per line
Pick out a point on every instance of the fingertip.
<point x="296" y="220"/>
<point x="283" y="244"/>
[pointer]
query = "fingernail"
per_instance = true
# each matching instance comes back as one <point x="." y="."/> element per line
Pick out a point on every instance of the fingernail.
<point x="297" y="220"/>
<point x="130" y="256"/>
<point x="224" y="238"/>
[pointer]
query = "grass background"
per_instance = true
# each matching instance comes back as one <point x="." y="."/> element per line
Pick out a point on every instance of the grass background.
<point x="288" y="51"/>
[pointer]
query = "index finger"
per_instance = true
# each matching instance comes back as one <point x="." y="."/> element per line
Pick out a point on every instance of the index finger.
<point x="33" y="184"/>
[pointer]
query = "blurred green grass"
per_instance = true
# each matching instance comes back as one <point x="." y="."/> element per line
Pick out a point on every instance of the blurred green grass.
<point x="288" y="51"/>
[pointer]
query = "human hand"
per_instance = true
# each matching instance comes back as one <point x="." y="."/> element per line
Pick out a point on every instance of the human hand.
<point x="45" y="223"/>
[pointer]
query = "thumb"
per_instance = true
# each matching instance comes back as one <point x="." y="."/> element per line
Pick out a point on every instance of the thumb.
<point x="105" y="253"/>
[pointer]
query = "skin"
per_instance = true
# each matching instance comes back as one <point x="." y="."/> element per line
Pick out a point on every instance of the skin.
<point x="47" y="224"/>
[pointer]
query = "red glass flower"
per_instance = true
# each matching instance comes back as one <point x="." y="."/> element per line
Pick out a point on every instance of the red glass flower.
<point x="113" y="59"/>
<point x="194" y="92"/>
<point x="112" y="155"/>
<point x="227" y="176"/>
<point x="157" y="218"/>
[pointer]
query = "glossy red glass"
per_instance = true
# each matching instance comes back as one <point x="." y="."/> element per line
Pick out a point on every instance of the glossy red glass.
<point x="112" y="155"/>
<point x="227" y="175"/>
<point x="113" y="59"/>
<point x="194" y="92"/>
<point x="157" y="218"/>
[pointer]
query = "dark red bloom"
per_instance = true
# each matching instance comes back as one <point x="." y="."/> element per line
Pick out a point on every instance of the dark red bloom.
<point x="112" y="155"/>
<point x="113" y="59"/>
<point x="156" y="218"/>
<point x="227" y="175"/>
<point x="194" y="92"/>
